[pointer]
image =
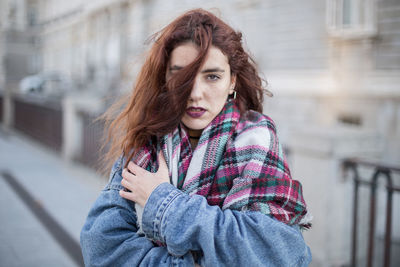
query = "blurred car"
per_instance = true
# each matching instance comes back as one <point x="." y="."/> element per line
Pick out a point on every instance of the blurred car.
<point x="45" y="84"/>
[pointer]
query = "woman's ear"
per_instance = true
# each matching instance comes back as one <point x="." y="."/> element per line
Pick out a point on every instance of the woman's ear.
<point x="233" y="83"/>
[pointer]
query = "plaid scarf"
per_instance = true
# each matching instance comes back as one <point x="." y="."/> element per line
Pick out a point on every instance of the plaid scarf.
<point x="238" y="164"/>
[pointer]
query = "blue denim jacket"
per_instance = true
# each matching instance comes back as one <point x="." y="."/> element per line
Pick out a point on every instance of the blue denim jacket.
<point x="188" y="226"/>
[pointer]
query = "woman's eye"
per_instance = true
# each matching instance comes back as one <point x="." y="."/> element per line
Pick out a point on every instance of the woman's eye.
<point x="212" y="77"/>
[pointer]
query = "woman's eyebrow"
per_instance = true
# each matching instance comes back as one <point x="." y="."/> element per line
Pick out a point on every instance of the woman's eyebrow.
<point x="212" y="70"/>
<point x="176" y="67"/>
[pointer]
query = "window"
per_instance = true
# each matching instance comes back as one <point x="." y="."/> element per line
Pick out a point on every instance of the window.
<point x="351" y="19"/>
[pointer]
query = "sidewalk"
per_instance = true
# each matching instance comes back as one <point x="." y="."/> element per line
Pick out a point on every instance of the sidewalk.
<point x="63" y="190"/>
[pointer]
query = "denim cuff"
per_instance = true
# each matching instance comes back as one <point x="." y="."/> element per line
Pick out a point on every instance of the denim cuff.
<point x="156" y="206"/>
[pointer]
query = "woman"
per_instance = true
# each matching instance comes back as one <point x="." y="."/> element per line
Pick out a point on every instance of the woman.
<point x="202" y="178"/>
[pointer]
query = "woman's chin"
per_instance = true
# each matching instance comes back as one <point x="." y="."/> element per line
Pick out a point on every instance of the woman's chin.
<point x="193" y="127"/>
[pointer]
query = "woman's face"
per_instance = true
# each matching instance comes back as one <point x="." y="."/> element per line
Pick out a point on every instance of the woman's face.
<point x="212" y="85"/>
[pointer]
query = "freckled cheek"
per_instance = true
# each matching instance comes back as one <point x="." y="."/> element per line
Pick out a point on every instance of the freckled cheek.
<point x="217" y="98"/>
<point x="221" y="90"/>
<point x="217" y="90"/>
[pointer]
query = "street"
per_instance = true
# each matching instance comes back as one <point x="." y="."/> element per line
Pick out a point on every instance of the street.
<point x="44" y="201"/>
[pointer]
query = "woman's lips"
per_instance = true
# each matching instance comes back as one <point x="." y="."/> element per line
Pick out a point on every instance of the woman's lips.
<point x="195" y="112"/>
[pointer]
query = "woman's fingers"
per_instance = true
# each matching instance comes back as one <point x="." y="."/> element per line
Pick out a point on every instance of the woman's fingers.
<point x="135" y="169"/>
<point x="128" y="179"/>
<point x="161" y="159"/>
<point x="162" y="165"/>
<point x="126" y="195"/>
<point x="125" y="183"/>
<point x="141" y="183"/>
<point x="127" y="175"/>
<point x="138" y="171"/>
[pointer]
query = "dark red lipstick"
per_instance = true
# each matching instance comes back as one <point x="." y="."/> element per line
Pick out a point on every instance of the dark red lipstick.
<point x="195" y="112"/>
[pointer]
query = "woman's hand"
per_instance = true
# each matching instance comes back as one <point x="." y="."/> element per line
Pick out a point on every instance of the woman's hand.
<point x="141" y="183"/>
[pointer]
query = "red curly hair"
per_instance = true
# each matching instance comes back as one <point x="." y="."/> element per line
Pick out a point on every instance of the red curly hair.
<point x="155" y="107"/>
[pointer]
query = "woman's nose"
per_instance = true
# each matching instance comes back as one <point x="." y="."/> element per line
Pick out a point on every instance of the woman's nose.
<point x="197" y="90"/>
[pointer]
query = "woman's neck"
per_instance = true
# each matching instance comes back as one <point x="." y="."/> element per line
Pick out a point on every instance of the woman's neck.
<point x="194" y="136"/>
<point x="194" y="133"/>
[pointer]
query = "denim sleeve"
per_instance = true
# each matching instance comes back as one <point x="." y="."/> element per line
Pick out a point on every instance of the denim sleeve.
<point x="225" y="237"/>
<point x="109" y="236"/>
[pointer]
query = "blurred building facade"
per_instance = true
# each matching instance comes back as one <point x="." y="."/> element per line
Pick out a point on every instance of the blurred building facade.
<point x="333" y="66"/>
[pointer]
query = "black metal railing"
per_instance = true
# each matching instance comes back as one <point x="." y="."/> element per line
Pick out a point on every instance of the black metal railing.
<point x="1" y="108"/>
<point x="92" y="140"/>
<point x="379" y="170"/>
<point x="41" y="120"/>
